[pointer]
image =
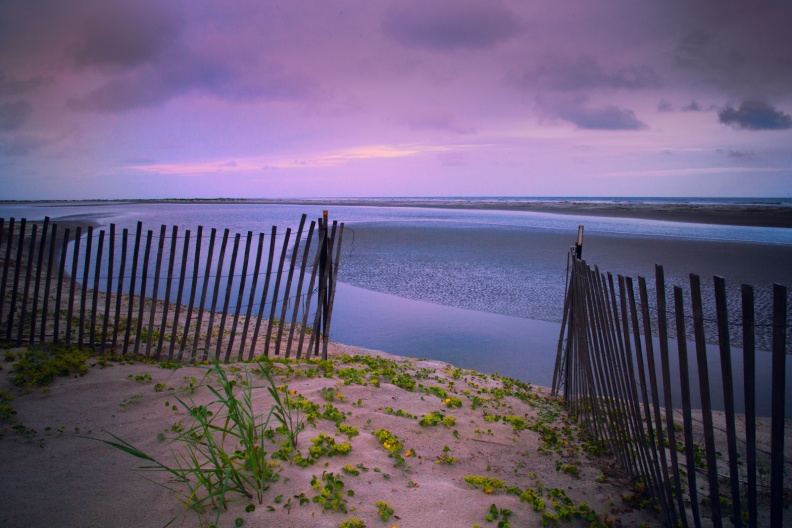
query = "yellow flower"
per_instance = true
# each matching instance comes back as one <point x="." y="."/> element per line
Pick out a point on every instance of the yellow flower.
<point x="293" y="392"/>
<point x="488" y="491"/>
<point x="447" y="400"/>
<point x="407" y="453"/>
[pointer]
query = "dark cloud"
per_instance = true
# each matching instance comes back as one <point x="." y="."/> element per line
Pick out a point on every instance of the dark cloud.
<point x="755" y="115"/>
<point x="586" y="73"/>
<point x="184" y="73"/>
<point x="17" y="146"/>
<point x="738" y="47"/>
<point x="455" y="26"/>
<point x="578" y="112"/>
<point x="436" y="120"/>
<point x="693" y="106"/>
<point x="11" y="86"/>
<point x="664" y="106"/>
<point x="14" y="114"/>
<point x="128" y="37"/>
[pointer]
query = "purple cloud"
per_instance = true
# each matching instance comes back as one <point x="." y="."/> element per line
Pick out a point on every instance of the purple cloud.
<point x="128" y="37"/>
<point x="755" y="115"/>
<point x="455" y="26"/>
<point x="13" y="115"/>
<point x="586" y="73"/>
<point x="608" y="117"/>
<point x="20" y="145"/>
<point x="11" y="86"/>
<point x="176" y="74"/>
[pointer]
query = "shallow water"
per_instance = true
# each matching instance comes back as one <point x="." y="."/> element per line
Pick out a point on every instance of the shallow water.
<point x="481" y="289"/>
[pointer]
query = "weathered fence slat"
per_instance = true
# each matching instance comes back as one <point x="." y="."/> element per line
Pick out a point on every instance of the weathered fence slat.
<point x="155" y="293"/>
<point x="17" y="268"/>
<point x="73" y="285"/>
<point x="298" y="294"/>
<point x="204" y="289"/>
<point x="779" y="389"/>
<point x="132" y="279"/>
<point x="749" y="381"/>
<point x="59" y="292"/>
<point x="142" y="298"/>
<point x="240" y="298"/>
<point x="308" y="297"/>
<point x="273" y="309"/>
<point x="109" y="287"/>
<point x="193" y="288"/>
<point x="227" y="299"/>
<point x="216" y="293"/>
<point x="84" y="296"/>
<point x="706" y="402"/>
<point x="7" y="263"/>
<point x="251" y="299"/>
<point x="7" y="260"/>
<point x="120" y="288"/>
<point x="263" y="301"/>
<point x="95" y="296"/>
<point x="166" y="300"/>
<point x="684" y="385"/>
<point x="26" y="290"/>
<point x="37" y="286"/>
<point x="287" y="289"/>
<point x="332" y="285"/>
<point x="179" y="293"/>
<point x="728" y="396"/>
<point x="48" y="281"/>
<point x="662" y="329"/>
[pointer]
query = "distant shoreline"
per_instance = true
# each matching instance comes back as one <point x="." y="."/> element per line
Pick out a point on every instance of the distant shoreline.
<point x="748" y="213"/>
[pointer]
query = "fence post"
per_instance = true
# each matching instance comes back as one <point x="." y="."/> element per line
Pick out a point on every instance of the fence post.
<point x="779" y="384"/>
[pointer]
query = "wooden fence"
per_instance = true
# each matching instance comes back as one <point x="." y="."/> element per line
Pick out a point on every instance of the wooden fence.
<point x="698" y="467"/>
<point x="170" y="297"/>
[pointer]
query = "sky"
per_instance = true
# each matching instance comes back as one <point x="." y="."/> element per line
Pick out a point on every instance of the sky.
<point x="348" y="98"/>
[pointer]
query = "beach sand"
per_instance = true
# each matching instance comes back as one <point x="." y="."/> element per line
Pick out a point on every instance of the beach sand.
<point x="58" y="477"/>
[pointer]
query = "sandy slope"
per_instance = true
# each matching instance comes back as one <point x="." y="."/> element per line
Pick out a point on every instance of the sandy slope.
<point x="59" y="478"/>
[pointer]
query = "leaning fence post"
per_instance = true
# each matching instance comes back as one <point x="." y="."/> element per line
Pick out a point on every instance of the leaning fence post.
<point x="31" y="255"/>
<point x="749" y="381"/>
<point x="779" y="384"/>
<point x="37" y="285"/>
<point x="706" y="404"/>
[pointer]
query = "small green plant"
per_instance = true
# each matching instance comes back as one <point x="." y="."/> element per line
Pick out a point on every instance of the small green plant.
<point x="222" y="450"/>
<point x="488" y="484"/>
<point x="445" y="458"/>
<point x="352" y="522"/>
<point x="40" y="364"/>
<point x="495" y="512"/>
<point x="283" y="411"/>
<point x="330" y="394"/>
<point x="384" y="509"/>
<point x="348" y="430"/>
<point x="331" y="494"/>
<point x="140" y="377"/>
<point x="569" y="469"/>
